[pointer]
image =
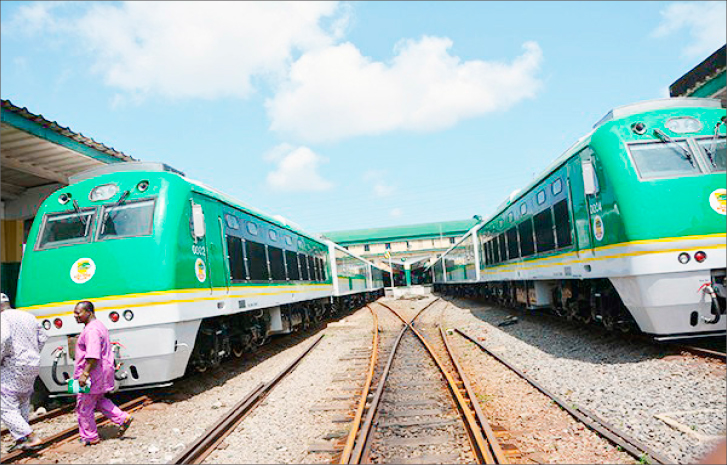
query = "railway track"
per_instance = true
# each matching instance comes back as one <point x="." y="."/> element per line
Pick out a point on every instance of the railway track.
<point x="46" y="416"/>
<point x="70" y="434"/>
<point x="420" y="404"/>
<point x="632" y="446"/>
<point x="208" y="441"/>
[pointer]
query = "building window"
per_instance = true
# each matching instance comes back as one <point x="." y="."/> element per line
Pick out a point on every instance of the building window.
<point x="345" y="247"/>
<point x="452" y="240"/>
<point x="367" y="248"/>
<point x="388" y="246"/>
<point x="407" y="245"/>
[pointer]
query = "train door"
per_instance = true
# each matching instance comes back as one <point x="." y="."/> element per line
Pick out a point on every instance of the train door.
<point x="579" y="205"/>
<point x="211" y="241"/>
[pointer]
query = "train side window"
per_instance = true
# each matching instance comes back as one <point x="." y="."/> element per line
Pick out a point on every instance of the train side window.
<point x="236" y="258"/>
<point x="277" y="267"/>
<point x="289" y="241"/>
<point x="231" y="221"/>
<point x="496" y="249"/>
<point x="311" y="268"/>
<point x="523" y="208"/>
<point x="545" y="239"/>
<point x="251" y="228"/>
<point x="557" y="186"/>
<point x="291" y="261"/>
<point x="512" y="247"/>
<point x="525" y="229"/>
<point x="562" y="223"/>
<point x="488" y="252"/>
<point x="541" y="197"/>
<point x="257" y="261"/>
<point x="273" y="235"/>
<point x="323" y="269"/>
<point x="503" y="247"/>
<point x="319" y="272"/>
<point x="304" y="275"/>
<point x="511" y="217"/>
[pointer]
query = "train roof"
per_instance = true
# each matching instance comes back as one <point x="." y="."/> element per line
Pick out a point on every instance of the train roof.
<point x="211" y="191"/>
<point x="348" y="252"/>
<point x="613" y="115"/>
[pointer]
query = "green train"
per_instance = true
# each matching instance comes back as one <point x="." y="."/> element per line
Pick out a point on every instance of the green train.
<point x="181" y="274"/>
<point x="625" y="229"/>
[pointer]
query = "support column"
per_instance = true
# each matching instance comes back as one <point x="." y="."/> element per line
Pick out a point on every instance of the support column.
<point x="11" y="253"/>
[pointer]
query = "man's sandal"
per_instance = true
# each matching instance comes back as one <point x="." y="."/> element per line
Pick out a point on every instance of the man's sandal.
<point x="125" y="425"/>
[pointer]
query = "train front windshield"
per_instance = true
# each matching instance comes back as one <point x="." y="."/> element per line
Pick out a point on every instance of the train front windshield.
<point x="677" y="158"/>
<point x="131" y="219"/>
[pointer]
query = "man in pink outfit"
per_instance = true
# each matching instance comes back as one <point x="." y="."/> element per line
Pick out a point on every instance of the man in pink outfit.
<point x="94" y="363"/>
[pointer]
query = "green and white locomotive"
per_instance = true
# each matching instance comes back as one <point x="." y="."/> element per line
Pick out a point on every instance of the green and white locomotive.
<point x="625" y="229"/>
<point x="181" y="274"/>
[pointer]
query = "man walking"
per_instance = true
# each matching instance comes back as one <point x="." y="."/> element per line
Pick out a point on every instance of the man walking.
<point x="22" y="340"/>
<point x="95" y="363"/>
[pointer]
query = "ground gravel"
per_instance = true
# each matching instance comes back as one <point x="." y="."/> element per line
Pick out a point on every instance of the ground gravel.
<point x="625" y="382"/>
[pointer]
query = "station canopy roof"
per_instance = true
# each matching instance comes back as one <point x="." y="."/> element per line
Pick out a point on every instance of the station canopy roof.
<point x="402" y="233"/>
<point x="37" y="152"/>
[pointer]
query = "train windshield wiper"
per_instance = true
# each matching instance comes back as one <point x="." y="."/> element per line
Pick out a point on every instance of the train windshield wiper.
<point x="666" y="139"/>
<point x="80" y="214"/>
<point x="116" y="204"/>
<point x="713" y="146"/>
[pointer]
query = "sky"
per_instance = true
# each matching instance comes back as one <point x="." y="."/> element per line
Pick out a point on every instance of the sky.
<point x="349" y="115"/>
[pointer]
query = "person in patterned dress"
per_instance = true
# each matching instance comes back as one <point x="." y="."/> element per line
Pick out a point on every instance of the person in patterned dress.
<point x="22" y="340"/>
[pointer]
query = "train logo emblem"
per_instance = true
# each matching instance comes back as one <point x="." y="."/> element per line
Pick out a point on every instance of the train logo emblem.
<point x="82" y="270"/>
<point x="598" y="228"/>
<point x="200" y="270"/>
<point x="718" y="201"/>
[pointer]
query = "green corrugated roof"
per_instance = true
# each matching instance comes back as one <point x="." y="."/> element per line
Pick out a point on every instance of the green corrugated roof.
<point x="400" y="233"/>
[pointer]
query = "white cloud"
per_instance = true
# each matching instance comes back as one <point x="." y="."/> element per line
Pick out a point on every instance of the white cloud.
<point x="335" y="92"/>
<point x="704" y="22"/>
<point x="190" y="49"/>
<point x="383" y="190"/>
<point x="297" y="170"/>
<point x="395" y="212"/>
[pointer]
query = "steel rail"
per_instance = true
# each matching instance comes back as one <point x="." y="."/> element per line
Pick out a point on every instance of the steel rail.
<point x="351" y="440"/>
<point x="71" y="433"/>
<point x="637" y="449"/>
<point x="46" y="416"/>
<point x="495" y="452"/>
<point x="704" y="352"/>
<point x="479" y="443"/>
<point x="362" y="443"/>
<point x="198" y="450"/>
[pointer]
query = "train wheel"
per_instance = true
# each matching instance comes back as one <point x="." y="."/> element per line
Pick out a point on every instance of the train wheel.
<point x="238" y="348"/>
<point x="200" y="368"/>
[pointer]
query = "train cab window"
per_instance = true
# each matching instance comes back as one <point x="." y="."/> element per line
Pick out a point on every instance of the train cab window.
<point x="541" y="197"/>
<point x="503" y="247"/>
<point x="66" y="228"/>
<point x="277" y="266"/>
<point x="304" y="275"/>
<point x="557" y="186"/>
<point x="562" y="223"/>
<point x="291" y="262"/>
<point x="257" y="261"/>
<point x="525" y="229"/>
<point x="544" y="236"/>
<point x="512" y="246"/>
<point x="251" y="228"/>
<point x="664" y="159"/>
<point x="715" y="151"/>
<point x="236" y="258"/>
<point x="127" y="220"/>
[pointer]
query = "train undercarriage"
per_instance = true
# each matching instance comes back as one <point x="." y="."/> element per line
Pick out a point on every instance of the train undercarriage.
<point x="235" y="335"/>
<point x="593" y="301"/>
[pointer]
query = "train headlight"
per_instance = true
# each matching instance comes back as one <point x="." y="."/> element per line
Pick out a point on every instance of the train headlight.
<point x="103" y="192"/>
<point x="142" y="186"/>
<point x="58" y="323"/>
<point x="46" y="324"/>
<point x="638" y="128"/>
<point x="684" y="258"/>
<point x="700" y="256"/>
<point x="64" y="198"/>
<point x="128" y="315"/>
<point x="114" y="316"/>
